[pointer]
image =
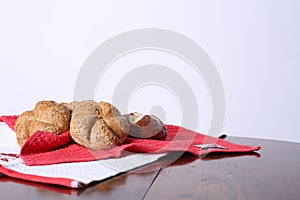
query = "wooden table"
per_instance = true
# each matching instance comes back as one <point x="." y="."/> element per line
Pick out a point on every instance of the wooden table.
<point x="272" y="173"/>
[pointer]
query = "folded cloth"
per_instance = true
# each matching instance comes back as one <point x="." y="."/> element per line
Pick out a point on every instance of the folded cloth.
<point x="74" y="174"/>
<point x="44" y="148"/>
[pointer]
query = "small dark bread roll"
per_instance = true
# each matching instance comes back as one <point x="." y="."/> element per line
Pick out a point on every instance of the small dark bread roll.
<point x="51" y="117"/>
<point x="24" y="127"/>
<point x="146" y="127"/>
<point x="89" y="128"/>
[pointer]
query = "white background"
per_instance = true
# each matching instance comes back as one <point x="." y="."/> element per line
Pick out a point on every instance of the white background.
<point x="254" y="45"/>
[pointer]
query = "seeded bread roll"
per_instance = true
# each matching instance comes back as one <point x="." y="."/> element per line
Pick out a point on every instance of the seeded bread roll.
<point x="89" y="128"/>
<point x="146" y="127"/>
<point x="46" y="116"/>
<point x="24" y="127"/>
<point x="51" y="117"/>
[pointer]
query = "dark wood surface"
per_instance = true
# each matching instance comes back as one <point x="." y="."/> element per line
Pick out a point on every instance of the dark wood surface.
<point x="271" y="173"/>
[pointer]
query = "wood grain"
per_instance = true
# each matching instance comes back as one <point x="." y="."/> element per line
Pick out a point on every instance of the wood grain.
<point x="272" y="175"/>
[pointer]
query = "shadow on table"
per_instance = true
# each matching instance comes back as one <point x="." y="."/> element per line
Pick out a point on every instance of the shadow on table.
<point x="187" y="158"/>
<point x="215" y="156"/>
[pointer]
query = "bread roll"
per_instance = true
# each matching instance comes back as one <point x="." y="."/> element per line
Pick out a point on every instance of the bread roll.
<point x="51" y="117"/>
<point x="89" y="128"/>
<point x="24" y="127"/>
<point x="46" y="116"/>
<point x="146" y="127"/>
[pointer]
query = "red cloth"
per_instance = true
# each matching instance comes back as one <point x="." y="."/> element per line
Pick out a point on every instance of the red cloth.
<point x="44" y="148"/>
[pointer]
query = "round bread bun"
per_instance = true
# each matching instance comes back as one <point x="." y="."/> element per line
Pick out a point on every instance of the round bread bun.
<point x="24" y="127"/>
<point x="89" y="128"/>
<point x="146" y="127"/>
<point x="51" y="117"/>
